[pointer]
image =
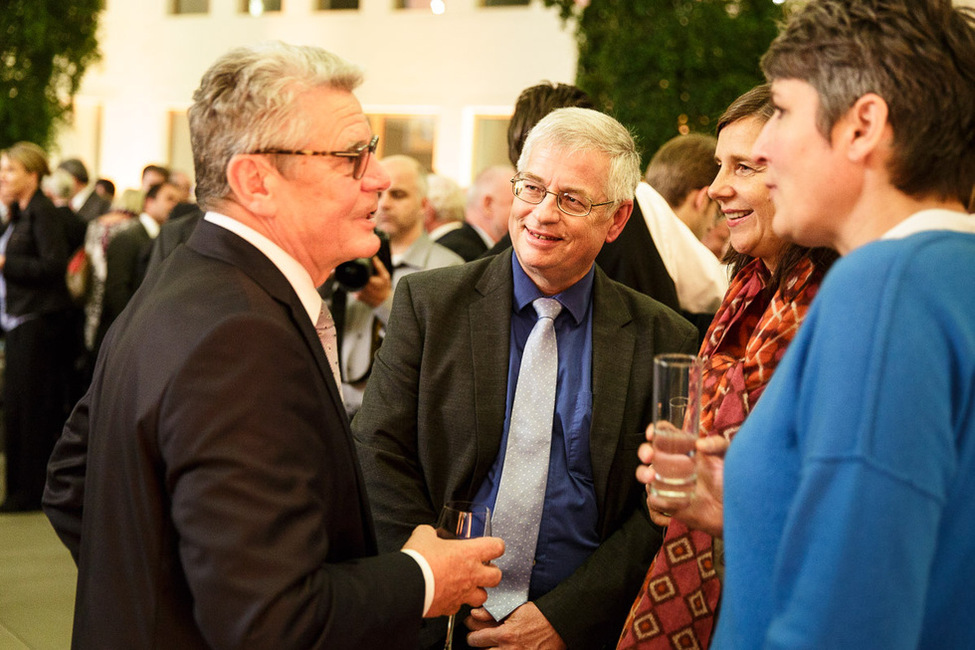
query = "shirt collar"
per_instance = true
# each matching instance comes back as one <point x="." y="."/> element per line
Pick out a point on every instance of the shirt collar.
<point x="932" y="220"/>
<point x="294" y="272"/>
<point x="575" y="299"/>
<point x="443" y="229"/>
<point x="150" y="224"/>
<point x="79" y="199"/>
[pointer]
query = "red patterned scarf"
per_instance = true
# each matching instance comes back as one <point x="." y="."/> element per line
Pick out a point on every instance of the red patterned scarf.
<point x="749" y="334"/>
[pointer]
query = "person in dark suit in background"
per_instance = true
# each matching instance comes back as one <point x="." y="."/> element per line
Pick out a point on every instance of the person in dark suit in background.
<point x="632" y="258"/>
<point x="211" y="461"/>
<point x="127" y="255"/>
<point x="35" y="315"/>
<point x="489" y="204"/>
<point x="177" y="229"/>
<point x="105" y="189"/>
<point x="436" y="415"/>
<point x="58" y="187"/>
<point x="443" y="219"/>
<point x="85" y="201"/>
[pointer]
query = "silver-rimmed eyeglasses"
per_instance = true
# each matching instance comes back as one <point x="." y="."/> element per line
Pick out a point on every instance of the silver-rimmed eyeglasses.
<point x="573" y="204"/>
<point x="359" y="155"/>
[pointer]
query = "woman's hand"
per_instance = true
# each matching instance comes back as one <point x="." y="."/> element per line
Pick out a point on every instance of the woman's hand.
<point x="704" y="509"/>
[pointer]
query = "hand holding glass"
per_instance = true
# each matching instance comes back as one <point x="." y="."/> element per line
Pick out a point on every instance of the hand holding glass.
<point x="462" y="520"/>
<point x="676" y="419"/>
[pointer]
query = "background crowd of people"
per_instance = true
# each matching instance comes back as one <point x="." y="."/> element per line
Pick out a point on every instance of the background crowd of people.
<point x="73" y="254"/>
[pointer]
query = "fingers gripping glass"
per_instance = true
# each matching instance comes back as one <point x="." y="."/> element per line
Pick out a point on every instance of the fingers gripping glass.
<point x="359" y="155"/>
<point x="571" y="203"/>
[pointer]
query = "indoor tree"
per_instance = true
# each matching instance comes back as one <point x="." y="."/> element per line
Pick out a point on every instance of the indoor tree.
<point x="45" y="48"/>
<point x="664" y="67"/>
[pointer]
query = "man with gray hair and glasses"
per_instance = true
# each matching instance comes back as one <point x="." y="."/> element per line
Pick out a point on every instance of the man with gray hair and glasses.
<point x="523" y="381"/>
<point x="207" y="485"/>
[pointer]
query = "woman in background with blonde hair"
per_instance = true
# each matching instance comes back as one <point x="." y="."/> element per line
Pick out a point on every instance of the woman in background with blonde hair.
<point x="35" y="316"/>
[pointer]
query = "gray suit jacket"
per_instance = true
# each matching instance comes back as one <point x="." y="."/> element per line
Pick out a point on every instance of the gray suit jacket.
<point x="431" y="423"/>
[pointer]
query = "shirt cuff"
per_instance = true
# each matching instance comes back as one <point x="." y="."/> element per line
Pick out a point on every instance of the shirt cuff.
<point x="427" y="578"/>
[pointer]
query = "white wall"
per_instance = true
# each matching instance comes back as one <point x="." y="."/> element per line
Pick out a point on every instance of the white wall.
<point x="466" y="61"/>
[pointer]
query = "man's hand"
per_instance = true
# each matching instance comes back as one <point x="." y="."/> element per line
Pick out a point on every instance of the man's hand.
<point x="705" y="510"/>
<point x="461" y="569"/>
<point x="526" y="628"/>
<point x="379" y="286"/>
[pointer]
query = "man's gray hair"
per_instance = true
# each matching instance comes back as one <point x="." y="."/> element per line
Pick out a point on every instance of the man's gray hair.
<point x="60" y="184"/>
<point x="584" y="129"/>
<point x="246" y="102"/>
<point x="446" y="197"/>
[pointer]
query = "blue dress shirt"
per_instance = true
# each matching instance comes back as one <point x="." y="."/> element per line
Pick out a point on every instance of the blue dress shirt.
<point x="567" y="534"/>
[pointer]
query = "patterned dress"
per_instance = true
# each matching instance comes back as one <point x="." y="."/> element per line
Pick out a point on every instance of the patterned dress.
<point x="677" y="604"/>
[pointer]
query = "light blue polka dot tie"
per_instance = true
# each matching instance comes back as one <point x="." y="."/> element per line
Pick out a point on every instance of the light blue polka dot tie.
<point x="518" y="508"/>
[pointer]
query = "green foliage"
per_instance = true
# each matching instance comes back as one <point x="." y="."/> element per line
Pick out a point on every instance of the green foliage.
<point x="663" y="67"/>
<point x="45" y="48"/>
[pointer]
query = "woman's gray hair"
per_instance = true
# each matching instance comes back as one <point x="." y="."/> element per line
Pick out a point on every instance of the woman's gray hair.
<point x="246" y="102"/>
<point x="584" y="129"/>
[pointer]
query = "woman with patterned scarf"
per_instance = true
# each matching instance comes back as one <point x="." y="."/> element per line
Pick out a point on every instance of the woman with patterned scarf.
<point x="772" y="286"/>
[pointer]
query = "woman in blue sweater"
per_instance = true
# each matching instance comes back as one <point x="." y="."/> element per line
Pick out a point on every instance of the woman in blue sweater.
<point x="848" y="508"/>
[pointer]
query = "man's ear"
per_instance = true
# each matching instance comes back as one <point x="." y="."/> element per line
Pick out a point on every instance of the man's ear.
<point x="701" y="199"/>
<point x="248" y="177"/>
<point x="865" y="128"/>
<point x="620" y="217"/>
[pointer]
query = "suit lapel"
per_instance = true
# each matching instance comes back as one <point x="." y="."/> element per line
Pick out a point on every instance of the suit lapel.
<point x="219" y="243"/>
<point x="490" y="332"/>
<point x="613" y="344"/>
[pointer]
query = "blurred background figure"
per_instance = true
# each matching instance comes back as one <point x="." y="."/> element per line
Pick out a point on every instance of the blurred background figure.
<point x="105" y="189"/>
<point x="444" y="218"/>
<point x="717" y="238"/>
<point x="59" y="188"/>
<point x="126" y="208"/>
<point x="489" y="204"/>
<point x="85" y="201"/>
<point x="35" y="316"/>
<point x="184" y="184"/>
<point x="153" y="174"/>
<point x="400" y="216"/>
<point x="681" y="171"/>
<point x="127" y="254"/>
<point x="675" y="202"/>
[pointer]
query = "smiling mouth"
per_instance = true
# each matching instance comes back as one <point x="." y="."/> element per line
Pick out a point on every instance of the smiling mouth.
<point x="737" y="215"/>
<point x="539" y="236"/>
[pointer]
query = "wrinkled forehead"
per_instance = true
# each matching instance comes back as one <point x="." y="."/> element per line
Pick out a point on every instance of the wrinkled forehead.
<point x="567" y="167"/>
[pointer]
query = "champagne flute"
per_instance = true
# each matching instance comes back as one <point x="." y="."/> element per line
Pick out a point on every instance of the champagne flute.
<point x="462" y="520"/>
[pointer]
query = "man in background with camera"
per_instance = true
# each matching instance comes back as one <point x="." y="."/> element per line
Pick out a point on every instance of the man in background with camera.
<point x="400" y="216"/>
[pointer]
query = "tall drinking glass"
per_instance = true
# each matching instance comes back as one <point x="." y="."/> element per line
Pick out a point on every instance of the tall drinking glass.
<point x="676" y="420"/>
<point x="462" y="520"/>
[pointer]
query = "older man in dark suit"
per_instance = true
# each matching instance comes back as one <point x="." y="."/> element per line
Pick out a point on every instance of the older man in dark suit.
<point x="439" y="421"/>
<point x="208" y="485"/>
